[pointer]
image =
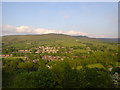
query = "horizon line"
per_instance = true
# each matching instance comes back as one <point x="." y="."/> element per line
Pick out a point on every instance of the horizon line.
<point x="58" y="34"/>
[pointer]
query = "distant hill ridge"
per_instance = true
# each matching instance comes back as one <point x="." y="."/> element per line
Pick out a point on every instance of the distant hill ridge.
<point x="57" y="36"/>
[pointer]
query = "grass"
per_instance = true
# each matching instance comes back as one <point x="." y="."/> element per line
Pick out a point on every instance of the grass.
<point x="97" y="65"/>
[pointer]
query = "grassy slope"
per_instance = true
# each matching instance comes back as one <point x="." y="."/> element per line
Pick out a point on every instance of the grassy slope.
<point x="29" y="41"/>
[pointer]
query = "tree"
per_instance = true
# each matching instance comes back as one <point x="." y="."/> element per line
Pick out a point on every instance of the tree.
<point x="43" y="78"/>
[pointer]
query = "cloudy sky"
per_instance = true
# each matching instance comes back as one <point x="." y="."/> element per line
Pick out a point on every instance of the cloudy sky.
<point x="72" y="18"/>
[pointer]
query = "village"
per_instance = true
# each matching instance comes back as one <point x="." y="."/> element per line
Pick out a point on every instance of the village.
<point x="40" y="50"/>
<point x="47" y="51"/>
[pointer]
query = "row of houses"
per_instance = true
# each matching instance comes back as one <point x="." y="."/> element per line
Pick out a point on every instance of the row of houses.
<point x="52" y="58"/>
<point x="5" y="55"/>
<point x="24" y="51"/>
<point x="47" y="49"/>
<point x="42" y="49"/>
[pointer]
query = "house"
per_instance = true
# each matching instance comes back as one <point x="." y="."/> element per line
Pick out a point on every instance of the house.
<point x="24" y="51"/>
<point x="49" y="66"/>
<point x="62" y="59"/>
<point x="110" y="69"/>
<point x="0" y="54"/>
<point x="35" y="61"/>
<point x="20" y="50"/>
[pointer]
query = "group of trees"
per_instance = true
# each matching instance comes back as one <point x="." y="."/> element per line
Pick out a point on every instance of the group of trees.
<point x="18" y="74"/>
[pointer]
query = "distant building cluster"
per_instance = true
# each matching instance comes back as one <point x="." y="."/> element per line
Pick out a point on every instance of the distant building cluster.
<point x="52" y="58"/>
<point x="43" y="49"/>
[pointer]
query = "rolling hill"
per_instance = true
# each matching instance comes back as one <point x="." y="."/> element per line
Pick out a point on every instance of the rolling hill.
<point x="38" y="57"/>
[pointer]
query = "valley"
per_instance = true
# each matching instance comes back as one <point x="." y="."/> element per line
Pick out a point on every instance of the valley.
<point x="59" y="61"/>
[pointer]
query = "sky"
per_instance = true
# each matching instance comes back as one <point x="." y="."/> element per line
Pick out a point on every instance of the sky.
<point x="92" y="19"/>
